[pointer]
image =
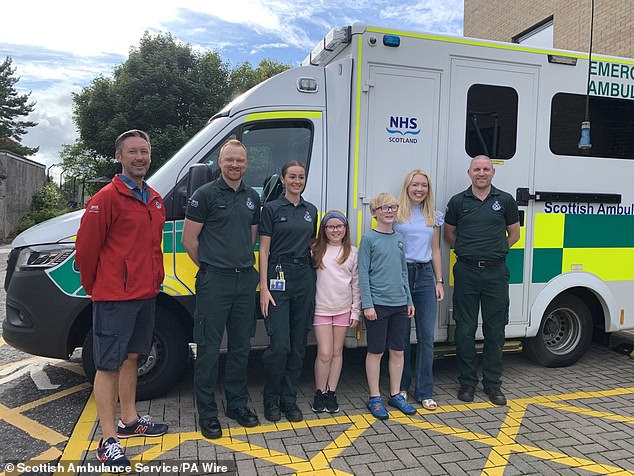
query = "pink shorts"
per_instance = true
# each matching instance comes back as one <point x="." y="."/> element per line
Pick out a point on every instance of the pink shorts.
<point x="340" y="320"/>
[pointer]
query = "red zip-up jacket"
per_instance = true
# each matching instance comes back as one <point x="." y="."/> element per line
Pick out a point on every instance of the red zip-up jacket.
<point x="118" y="247"/>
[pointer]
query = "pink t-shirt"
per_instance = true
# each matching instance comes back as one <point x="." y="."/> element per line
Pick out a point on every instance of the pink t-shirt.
<point x="338" y="285"/>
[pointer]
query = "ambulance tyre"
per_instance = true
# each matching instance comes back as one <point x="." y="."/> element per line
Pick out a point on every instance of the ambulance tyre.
<point x="564" y="334"/>
<point x="160" y="371"/>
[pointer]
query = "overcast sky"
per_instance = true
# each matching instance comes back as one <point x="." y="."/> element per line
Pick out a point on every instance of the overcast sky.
<point x="60" y="47"/>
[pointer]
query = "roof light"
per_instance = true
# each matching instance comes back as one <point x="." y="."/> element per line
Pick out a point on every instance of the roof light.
<point x="329" y="47"/>
<point x="307" y="85"/>
<point x="560" y="59"/>
<point x="392" y="40"/>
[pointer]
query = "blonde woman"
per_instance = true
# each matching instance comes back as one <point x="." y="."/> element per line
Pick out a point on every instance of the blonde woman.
<point x="419" y="224"/>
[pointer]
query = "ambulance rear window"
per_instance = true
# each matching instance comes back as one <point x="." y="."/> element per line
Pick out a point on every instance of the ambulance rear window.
<point x="611" y="126"/>
<point x="491" y="127"/>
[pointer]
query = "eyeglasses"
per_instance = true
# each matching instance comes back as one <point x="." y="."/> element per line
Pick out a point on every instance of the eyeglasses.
<point x="335" y="227"/>
<point x="387" y="208"/>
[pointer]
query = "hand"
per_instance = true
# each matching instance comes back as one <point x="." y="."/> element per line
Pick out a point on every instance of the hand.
<point x="265" y="299"/>
<point x="411" y="311"/>
<point x="353" y="323"/>
<point x="440" y="292"/>
<point x="370" y="314"/>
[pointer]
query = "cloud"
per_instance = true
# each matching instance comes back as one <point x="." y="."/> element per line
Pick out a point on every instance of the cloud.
<point x="60" y="47"/>
<point x="54" y="123"/>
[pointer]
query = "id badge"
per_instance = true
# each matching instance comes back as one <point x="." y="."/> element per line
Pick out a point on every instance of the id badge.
<point x="277" y="285"/>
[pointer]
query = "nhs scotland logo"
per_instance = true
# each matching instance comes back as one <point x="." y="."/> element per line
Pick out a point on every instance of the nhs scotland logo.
<point x="401" y="128"/>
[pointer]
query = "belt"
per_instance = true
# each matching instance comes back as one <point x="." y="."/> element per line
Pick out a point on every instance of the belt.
<point x="204" y="266"/>
<point x="290" y="260"/>
<point x="418" y="264"/>
<point x="482" y="263"/>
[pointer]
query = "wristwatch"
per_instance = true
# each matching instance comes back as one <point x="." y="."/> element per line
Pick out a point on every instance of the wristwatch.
<point x="440" y="281"/>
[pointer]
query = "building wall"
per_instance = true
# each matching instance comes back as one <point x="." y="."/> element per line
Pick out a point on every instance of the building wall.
<point x="20" y="178"/>
<point x="503" y="19"/>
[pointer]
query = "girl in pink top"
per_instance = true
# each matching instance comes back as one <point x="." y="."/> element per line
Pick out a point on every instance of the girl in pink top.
<point x="337" y="304"/>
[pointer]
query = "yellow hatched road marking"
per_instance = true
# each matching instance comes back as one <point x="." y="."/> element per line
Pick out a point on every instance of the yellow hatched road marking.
<point x="33" y="428"/>
<point x="502" y="446"/>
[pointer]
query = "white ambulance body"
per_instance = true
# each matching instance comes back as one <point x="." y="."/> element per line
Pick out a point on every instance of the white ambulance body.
<point x="367" y="106"/>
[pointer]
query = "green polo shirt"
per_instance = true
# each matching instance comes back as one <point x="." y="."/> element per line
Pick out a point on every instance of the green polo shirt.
<point x="227" y="215"/>
<point x="481" y="225"/>
<point x="290" y="227"/>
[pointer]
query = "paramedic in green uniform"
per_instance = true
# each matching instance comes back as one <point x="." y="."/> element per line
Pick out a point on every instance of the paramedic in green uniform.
<point x="219" y="233"/>
<point x="481" y="223"/>
<point x="287" y="291"/>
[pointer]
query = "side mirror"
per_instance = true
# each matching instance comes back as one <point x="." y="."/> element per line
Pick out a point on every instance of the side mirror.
<point x="199" y="174"/>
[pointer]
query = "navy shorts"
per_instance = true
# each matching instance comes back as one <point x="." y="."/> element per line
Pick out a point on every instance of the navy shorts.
<point x="388" y="330"/>
<point x="120" y="328"/>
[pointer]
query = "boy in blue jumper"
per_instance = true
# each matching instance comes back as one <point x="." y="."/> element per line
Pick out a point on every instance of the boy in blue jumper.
<point x="386" y="301"/>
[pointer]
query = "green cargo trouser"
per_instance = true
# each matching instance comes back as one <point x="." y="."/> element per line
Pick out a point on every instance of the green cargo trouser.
<point x="287" y="326"/>
<point x="224" y="297"/>
<point x="488" y="289"/>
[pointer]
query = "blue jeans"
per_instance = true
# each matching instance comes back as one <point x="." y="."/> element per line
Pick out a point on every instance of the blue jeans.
<point x="422" y="286"/>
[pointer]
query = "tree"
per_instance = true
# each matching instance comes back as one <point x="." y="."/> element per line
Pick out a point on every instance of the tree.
<point x="12" y="107"/>
<point x="79" y="161"/>
<point x="244" y="77"/>
<point x="164" y="88"/>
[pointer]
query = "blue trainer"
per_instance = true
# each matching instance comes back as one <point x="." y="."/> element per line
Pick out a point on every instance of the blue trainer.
<point x="111" y="456"/>
<point x="375" y="405"/>
<point x="142" y="427"/>
<point x="397" y="401"/>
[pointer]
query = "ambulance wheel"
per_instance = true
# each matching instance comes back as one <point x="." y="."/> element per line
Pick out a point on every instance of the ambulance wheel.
<point x="564" y="334"/>
<point x="167" y="362"/>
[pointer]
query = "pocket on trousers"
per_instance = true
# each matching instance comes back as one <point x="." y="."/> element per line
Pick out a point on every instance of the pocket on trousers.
<point x="106" y="352"/>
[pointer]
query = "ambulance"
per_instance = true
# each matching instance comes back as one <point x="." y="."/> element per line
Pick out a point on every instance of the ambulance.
<point x="366" y="106"/>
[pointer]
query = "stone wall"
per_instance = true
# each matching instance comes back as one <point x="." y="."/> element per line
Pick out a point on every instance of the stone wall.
<point x="20" y="178"/>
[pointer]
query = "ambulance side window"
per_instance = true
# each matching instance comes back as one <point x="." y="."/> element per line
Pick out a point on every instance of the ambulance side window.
<point x="270" y="144"/>
<point x="491" y="123"/>
<point x="612" y="126"/>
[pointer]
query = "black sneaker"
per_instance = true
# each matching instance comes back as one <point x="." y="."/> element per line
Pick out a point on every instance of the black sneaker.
<point x="111" y="456"/>
<point x="292" y="412"/>
<point x="243" y="416"/>
<point x="319" y="402"/>
<point x="272" y="412"/>
<point x="331" y="402"/>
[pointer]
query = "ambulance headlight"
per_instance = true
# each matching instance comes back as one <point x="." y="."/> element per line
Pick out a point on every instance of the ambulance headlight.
<point x="43" y="256"/>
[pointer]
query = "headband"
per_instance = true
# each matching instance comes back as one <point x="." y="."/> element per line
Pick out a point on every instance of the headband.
<point x="334" y="215"/>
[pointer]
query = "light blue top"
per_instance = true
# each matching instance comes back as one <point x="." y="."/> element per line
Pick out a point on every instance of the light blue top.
<point x="383" y="271"/>
<point x="141" y="193"/>
<point x="417" y="236"/>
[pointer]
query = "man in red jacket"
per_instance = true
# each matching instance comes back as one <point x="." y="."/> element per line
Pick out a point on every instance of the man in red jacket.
<point x="118" y="251"/>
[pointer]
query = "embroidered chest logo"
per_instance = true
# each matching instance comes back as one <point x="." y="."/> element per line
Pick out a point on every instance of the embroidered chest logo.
<point x="158" y="204"/>
<point x="250" y="204"/>
<point x="307" y="217"/>
<point x="194" y="203"/>
<point x="496" y="206"/>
